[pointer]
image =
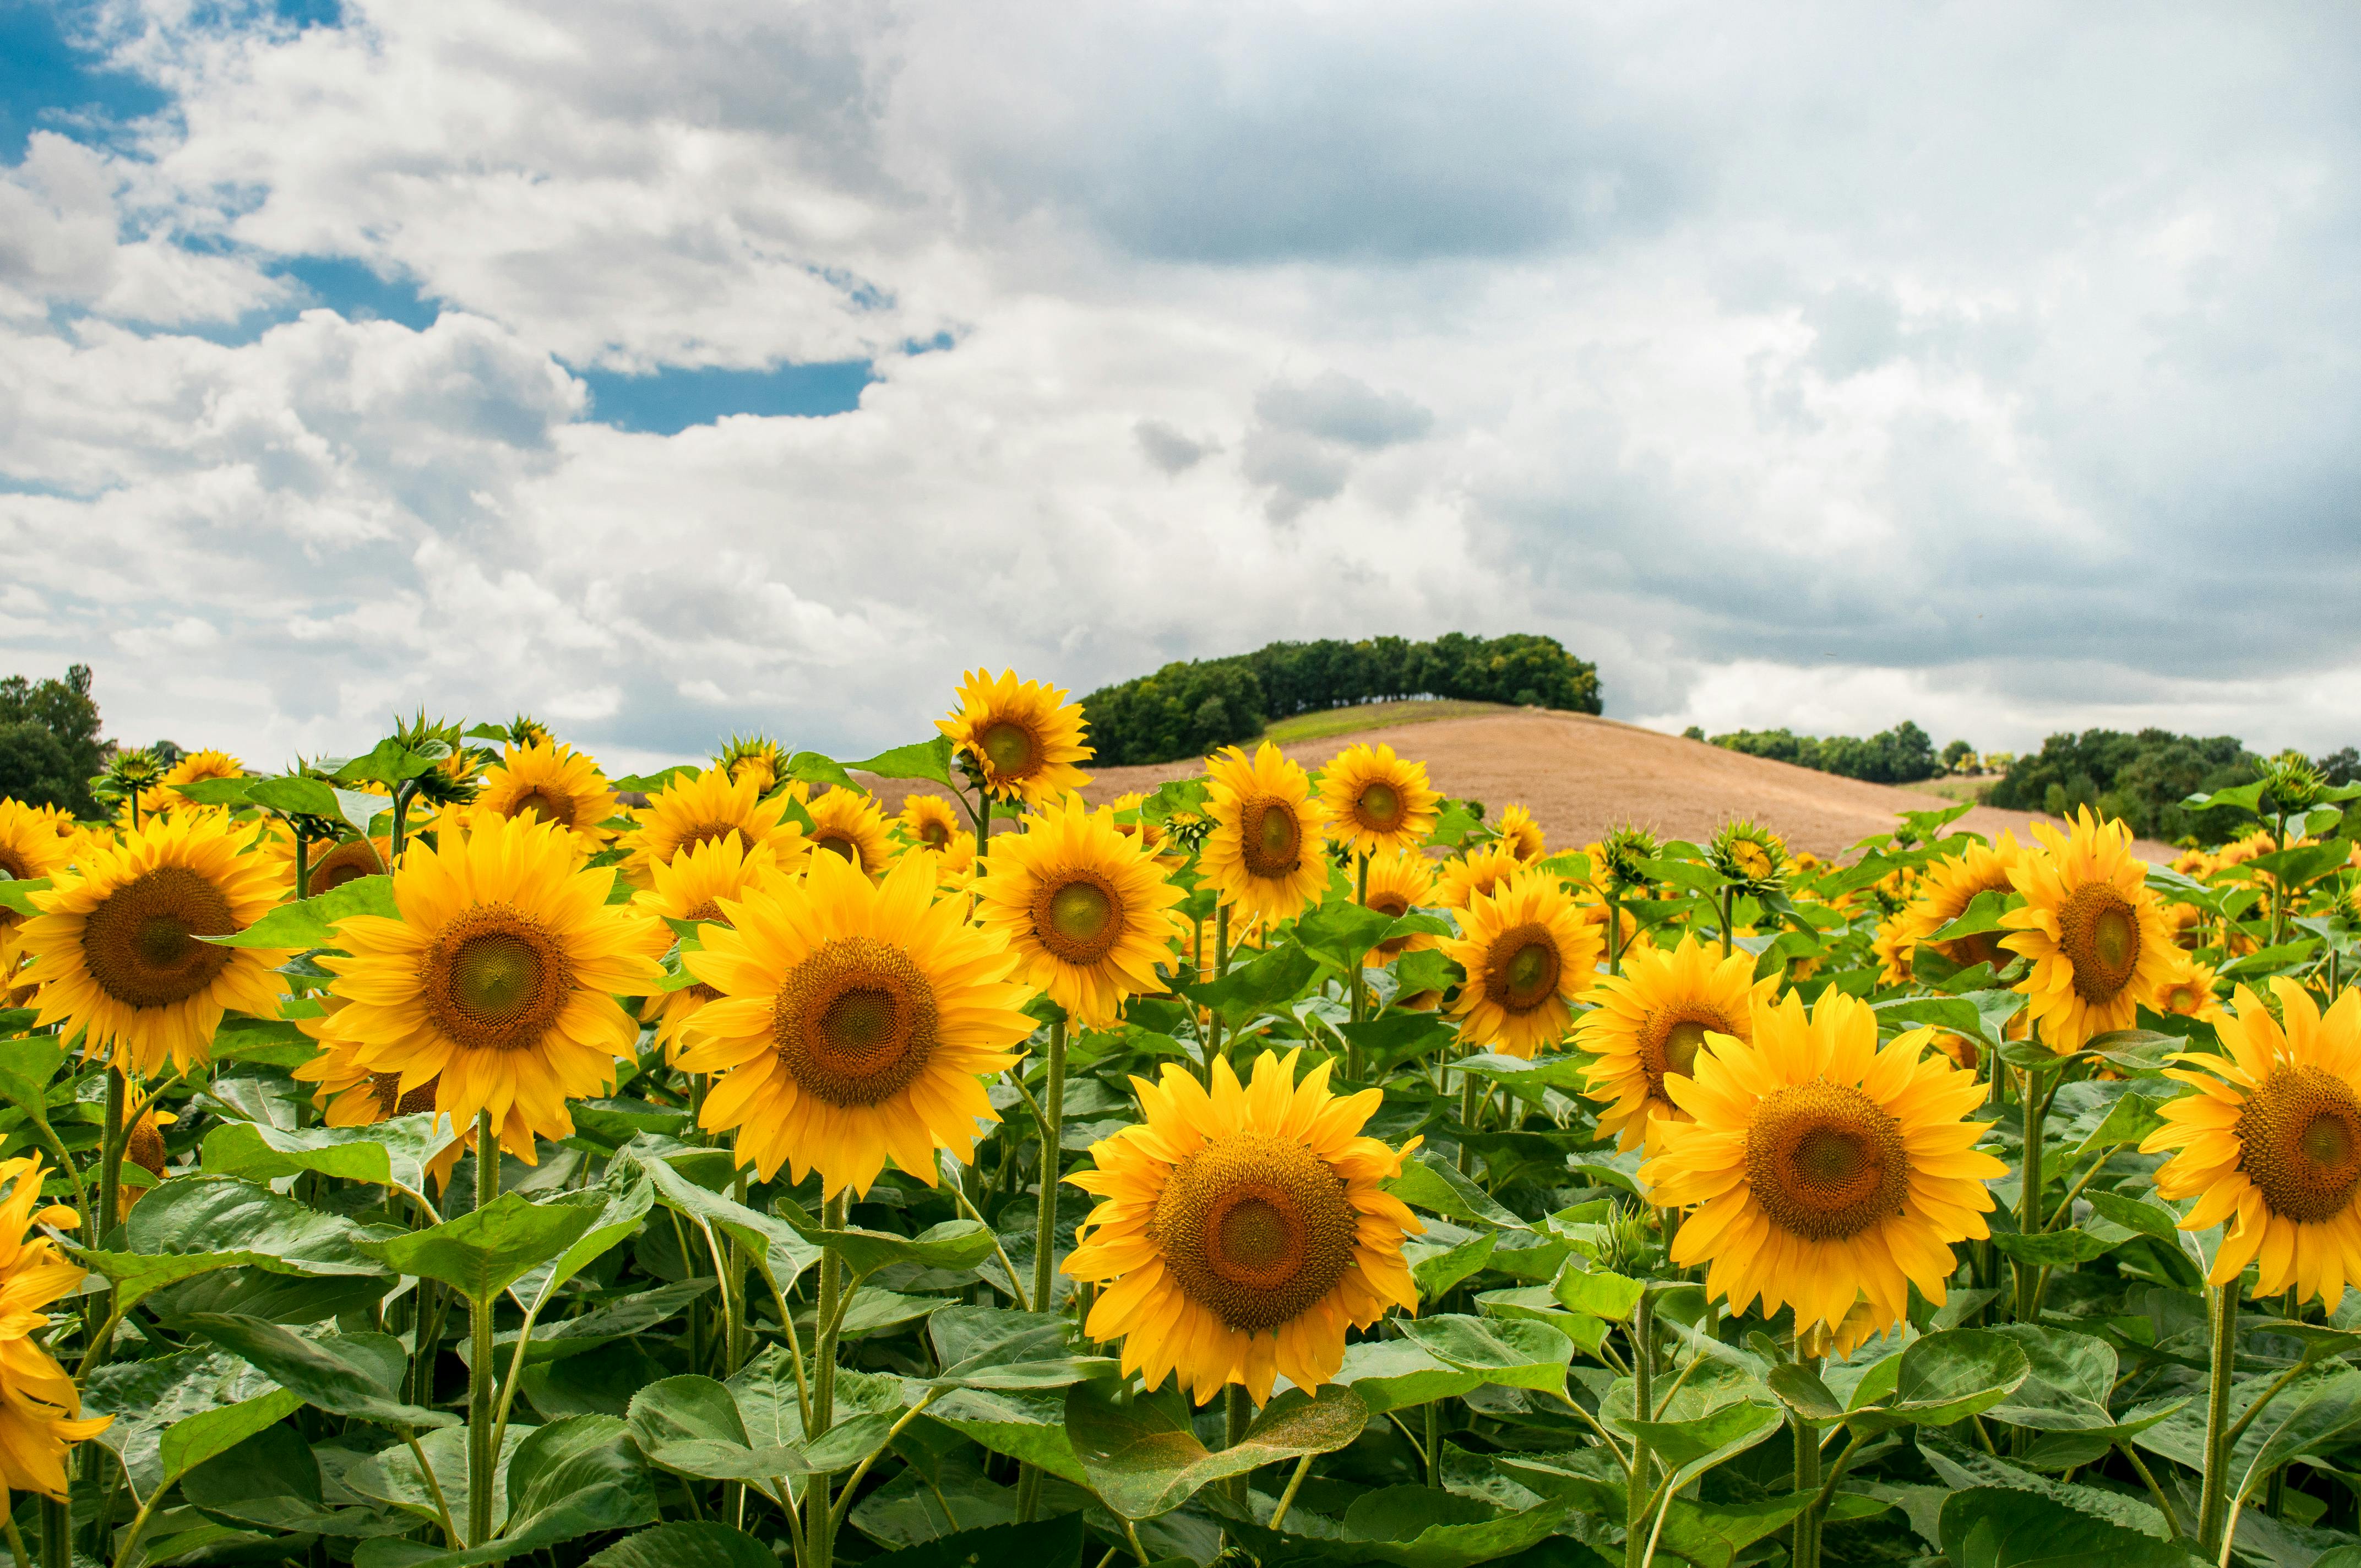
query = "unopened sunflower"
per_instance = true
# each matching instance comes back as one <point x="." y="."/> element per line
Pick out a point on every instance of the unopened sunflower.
<point x="1019" y="739"/>
<point x="1822" y="1172"/>
<point x="1750" y="855"/>
<point x="1527" y="953"/>
<point x="1650" y="1021"/>
<point x="1086" y="911"/>
<point x="2094" y="933"/>
<point x="40" y="1404"/>
<point x="697" y="884"/>
<point x="1463" y="878"/>
<point x="1240" y="1233"/>
<point x="851" y="827"/>
<point x="699" y="808"/>
<point x="854" y="1021"/>
<point x="1944" y="891"/>
<point x="553" y="784"/>
<point x="929" y="821"/>
<point x="1263" y="856"/>
<point x="118" y="951"/>
<point x="2271" y="1143"/>
<point x="757" y="757"/>
<point x="1398" y="883"/>
<point x="1521" y="835"/>
<point x="1376" y="801"/>
<point x="498" y="978"/>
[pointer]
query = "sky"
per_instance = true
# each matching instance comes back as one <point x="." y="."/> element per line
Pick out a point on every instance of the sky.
<point x="666" y="372"/>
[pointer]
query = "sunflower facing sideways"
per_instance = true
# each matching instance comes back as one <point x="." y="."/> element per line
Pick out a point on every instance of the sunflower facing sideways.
<point x="1528" y="952"/>
<point x="692" y="886"/>
<point x="38" y="1402"/>
<point x="1521" y="835"/>
<point x="1086" y="911"/>
<point x="497" y="982"/>
<point x="851" y="827"/>
<point x="1944" y="892"/>
<point x="349" y="1095"/>
<point x="2271" y="1143"/>
<point x="1240" y="1232"/>
<point x="550" y="783"/>
<point x="30" y="851"/>
<point x="1263" y="855"/>
<point x="1398" y="883"/>
<point x="2095" y="933"/>
<point x="851" y="1022"/>
<point x="118" y="951"/>
<point x="1377" y="802"/>
<point x="1019" y="739"/>
<point x="701" y="808"/>
<point x="929" y="821"/>
<point x="1822" y="1172"/>
<point x="1650" y="1021"/>
<point x="194" y="767"/>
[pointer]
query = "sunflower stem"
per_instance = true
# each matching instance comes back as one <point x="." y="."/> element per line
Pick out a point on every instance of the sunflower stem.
<point x="1287" y="1498"/>
<point x="1727" y="940"/>
<point x="1361" y="897"/>
<point x="1806" y="1551"/>
<point x="482" y="1456"/>
<point x="1639" y="1486"/>
<point x="1045" y="1228"/>
<point x="1433" y="1444"/>
<point x="2222" y="1315"/>
<point x="57" y="1533"/>
<point x="1238" y="1412"/>
<point x="2029" y="1207"/>
<point x="820" y="1539"/>
<point x="1212" y="1014"/>
<point x="303" y="862"/>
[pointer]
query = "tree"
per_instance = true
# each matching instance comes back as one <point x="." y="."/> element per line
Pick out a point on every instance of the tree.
<point x="50" y="744"/>
<point x="1956" y="755"/>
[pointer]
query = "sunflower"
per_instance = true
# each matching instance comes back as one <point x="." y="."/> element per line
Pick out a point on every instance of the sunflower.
<point x="331" y="866"/>
<point x="553" y="784"/>
<point x="1086" y="911"/>
<point x="851" y="827"/>
<point x="1377" y="802"/>
<point x="1821" y="1169"/>
<point x="1017" y="739"/>
<point x="2191" y="992"/>
<point x="38" y="1403"/>
<point x="2271" y="1142"/>
<point x="692" y="886"/>
<point x="2095" y="933"/>
<point x="1150" y="834"/>
<point x="1750" y="855"/>
<point x="1521" y="835"/>
<point x="1240" y="1233"/>
<point x="1398" y="883"/>
<point x="955" y="866"/>
<point x="1527" y="952"/>
<point x="30" y="850"/>
<point x="1465" y="877"/>
<point x="1263" y="854"/>
<point x="194" y="767"/>
<point x="1945" y="890"/>
<point x="853" y="1022"/>
<point x="117" y="952"/>
<point x="754" y="756"/>
<point x="928" y="821"/>
<point x="699" y="808"/>
<point x="498" y="979"/>
<point x="1650" y="1021"/>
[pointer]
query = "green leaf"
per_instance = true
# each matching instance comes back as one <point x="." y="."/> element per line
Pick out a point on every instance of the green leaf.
<point x="2315" y="1409"/>
<point x="929" y="759"/>
<point x="28" y="1066"/>
<point x="2052" y="1249"/>
<point x="195" y="1225"/>
<point x="1257" y="987"/>
<point x="392" y="1153"/>
<point x="391" y="1475"/>
<point x="311" y="923"/>
<point x="1992" y="1526"/>
<point x="1431" y="1182"/>
<point x="988" y="1347"/>
<point x="1696" y="1445"/>
<point x="1045" y="1543"/>
<point x="1401" y="1037"/>
<point x="1413" y="1526"/>
<point x="688" y="1543"/>
<point x="1600" y="1294"/>
<point x="813" y="768"/>
<point x="1338" y="933"/>
<point x="1945" y="1378"/>
<point x="390" y="763"/>
<point x="955" y="1244"/>
<point x="271" y="1482"/>
<point x="1398" y="1374"/>
<point x="189" y="1443"/>
<point x="298" y="797"/>
<point x="353" y="1375"/>
<point x="2150" y="1218"/>
<point x="781" y="1251"/>
<point x="1027" y="1426"/>
<point x="147" y="1397"/>
<point x="1515" y="1353"/>
<point x="1143" y="1457"/>
<point x="620" y="1318"/>
<point x="16" y="894"/>
<point x="482" y="1251"/>
<point x="1438" y="1269"/>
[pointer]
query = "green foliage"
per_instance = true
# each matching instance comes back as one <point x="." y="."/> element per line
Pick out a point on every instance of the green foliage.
<point x="1903" y="754"/>
<point x="50" y="741"/>
<point x="2140" y="780"/>
<point x="1189" y="709"/>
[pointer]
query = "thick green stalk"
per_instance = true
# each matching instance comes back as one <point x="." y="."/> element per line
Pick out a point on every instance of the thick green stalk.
<point x="819" y="1534"/>
<point x="1360" y="990"/>
<point x="57" y="1534"/>
<point x="1237" y="1414"/>
<point x="1434" y="1444"/>
<point x="2222" y="1315"/>
<point x="1468" y="1120"/>
<point x="110" y="1158"/>
<point x="1806" y="1552"/>
<point x="1045" y="1228"/>
<point x="2029" y="1205"/>
<point x="302" y="863"/>
<point x="1614" y="932"/>
<point x="1727" y="940"/>
<point x="1639" y="1486"/>
<point x="482" y="1457"/>
<point x="1221" y="968"/>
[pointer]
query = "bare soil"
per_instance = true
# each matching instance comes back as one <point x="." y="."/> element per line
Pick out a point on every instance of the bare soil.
<point x="1580" y="776"/>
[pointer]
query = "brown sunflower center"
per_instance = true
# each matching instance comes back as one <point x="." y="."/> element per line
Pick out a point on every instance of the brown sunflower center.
<point x="1521" y="967"/>
<point x="935" y="833"/>
<point x="709" y="910"/>
<point x="855" y="1022"/>
<point x="2299" y="1140"/>
<point x="1077" y="917"/>
<point x="141" y="944"/>
<point x="1010" y="748"/>
<point x="12" y="862"/>
<point x="1392" y="905"/>
<point x="541" y="805"/>
<point x="386" y="1087"/>
<point x="348" y="862"/>
<point x="705" y="833"/>
<point x="1379" y="806"/>
<point x="1270" y="840"/>
<point x="1825" y="1161"/>
<point x="2098" y="931"/>
<point x="495" y="979"/>
<point x="1254" y="1228"/>
<point x="837" y="841"/>
<point x="1671" y="1041"/>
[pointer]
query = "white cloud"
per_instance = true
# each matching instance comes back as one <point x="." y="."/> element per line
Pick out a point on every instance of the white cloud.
<point x="1818" y="368"/>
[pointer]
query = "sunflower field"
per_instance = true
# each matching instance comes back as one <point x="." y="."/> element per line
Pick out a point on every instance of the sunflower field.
<point x="452" y="1155"/>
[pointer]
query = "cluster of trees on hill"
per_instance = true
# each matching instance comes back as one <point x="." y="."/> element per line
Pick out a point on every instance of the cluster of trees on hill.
<point x="2139" y="779"/>
<point x="1189" y="707"/>
<point x="1903" y="754"/>
<point x="50" y="745"/>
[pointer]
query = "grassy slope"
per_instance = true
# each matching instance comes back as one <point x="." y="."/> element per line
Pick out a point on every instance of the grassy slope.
<point x="1951" y="788"/>
<point x="1373" y="716"/>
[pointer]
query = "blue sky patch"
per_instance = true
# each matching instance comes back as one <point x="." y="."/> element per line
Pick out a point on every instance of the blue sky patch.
<point x="355" y="292"/>
<point x="668" y="401"/>
<point x="49" y="83"/>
